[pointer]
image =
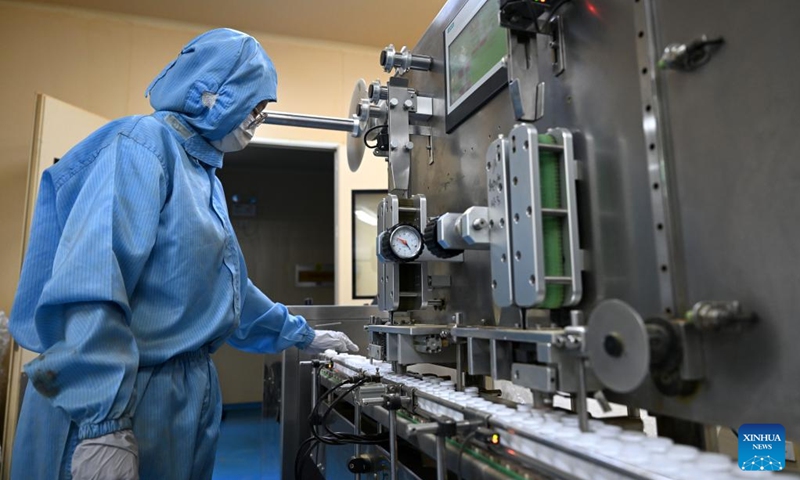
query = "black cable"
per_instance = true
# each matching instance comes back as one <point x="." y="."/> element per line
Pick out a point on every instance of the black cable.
<point x="554" y="9"/>
<point x="370" y="131"/>
<point x="301" y="453"/>
<point x="333" y="438"/>
<point x="461" y="451"/>
<point x="349" y="437"/>
<point x="340" y="438"/>
<point x="314" y="440"/>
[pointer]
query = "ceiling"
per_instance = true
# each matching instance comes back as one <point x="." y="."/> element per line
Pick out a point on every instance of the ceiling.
<point x="374" y="23"/>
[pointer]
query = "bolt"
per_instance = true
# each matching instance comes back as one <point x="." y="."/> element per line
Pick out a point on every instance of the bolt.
<point x="408" y="104"/>
<point x="393" y="145"/>
<point x="479" y="224"/>
<point x="409" y="146"/>
<point x="393" y="102"/>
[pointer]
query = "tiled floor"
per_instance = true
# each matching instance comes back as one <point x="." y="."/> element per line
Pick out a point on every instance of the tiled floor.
<point x="249" y="446"/>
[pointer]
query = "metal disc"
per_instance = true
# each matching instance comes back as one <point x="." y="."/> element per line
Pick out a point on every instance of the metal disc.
<point x="618" y="346"/>
<point x="355" y="144"/>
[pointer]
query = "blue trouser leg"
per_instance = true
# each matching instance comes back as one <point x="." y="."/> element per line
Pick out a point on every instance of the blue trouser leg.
<point x="176" y="423"/>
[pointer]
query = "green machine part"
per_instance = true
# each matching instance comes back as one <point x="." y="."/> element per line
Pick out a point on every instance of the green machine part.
<point x="552" y="227"/>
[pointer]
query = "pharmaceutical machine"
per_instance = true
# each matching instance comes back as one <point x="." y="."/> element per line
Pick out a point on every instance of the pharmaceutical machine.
<point x="591" y="203"/>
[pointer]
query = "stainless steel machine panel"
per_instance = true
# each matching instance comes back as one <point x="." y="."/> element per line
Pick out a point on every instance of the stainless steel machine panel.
<point x="734" y="178"/>
<point x="596" y="99"/>
<point x="727" y="168"/>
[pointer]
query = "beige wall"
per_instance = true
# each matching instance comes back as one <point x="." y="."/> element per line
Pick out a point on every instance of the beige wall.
<point x="103" y="63"/>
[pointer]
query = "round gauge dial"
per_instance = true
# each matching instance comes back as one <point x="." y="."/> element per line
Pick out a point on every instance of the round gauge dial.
<point x="405" y="242"/>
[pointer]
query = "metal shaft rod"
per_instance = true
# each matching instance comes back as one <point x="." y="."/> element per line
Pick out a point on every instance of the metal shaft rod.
<point x="393" y="444"/>
<point x="583" y="414"/>
<point x="313" y="121"/>
<point x="441" y="458"/>
<point x="357" y="430"/>
<point x="459" y="367"/>
<point x="314" y="386"/>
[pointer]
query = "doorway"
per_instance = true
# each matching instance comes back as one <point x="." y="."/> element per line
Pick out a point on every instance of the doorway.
<point x="281" y="203"/>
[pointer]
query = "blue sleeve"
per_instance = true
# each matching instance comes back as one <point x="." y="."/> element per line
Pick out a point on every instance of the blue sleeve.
<point x="108" y="228"/>
<point x="268" y="327"/>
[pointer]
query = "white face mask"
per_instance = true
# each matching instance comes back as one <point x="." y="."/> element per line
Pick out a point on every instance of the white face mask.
<point x="238" y="138"/>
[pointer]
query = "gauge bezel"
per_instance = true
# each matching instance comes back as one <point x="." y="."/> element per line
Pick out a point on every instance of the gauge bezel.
<point x="398" y="228"/>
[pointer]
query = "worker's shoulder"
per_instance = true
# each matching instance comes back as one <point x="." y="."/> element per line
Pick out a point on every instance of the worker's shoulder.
<point x="152" y="134"/>
<point x="144" y="131"/>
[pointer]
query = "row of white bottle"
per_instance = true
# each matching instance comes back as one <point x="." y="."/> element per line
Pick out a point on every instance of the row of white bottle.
<point x="627" y="449"/>
<point x="354" y="365"/>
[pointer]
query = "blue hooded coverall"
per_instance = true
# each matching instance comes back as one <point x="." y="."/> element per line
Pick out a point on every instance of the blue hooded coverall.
<point x="133" y="275"/>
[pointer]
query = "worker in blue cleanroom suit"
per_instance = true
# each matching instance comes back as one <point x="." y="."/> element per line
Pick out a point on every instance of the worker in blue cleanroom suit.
<point x="133" y="276"/>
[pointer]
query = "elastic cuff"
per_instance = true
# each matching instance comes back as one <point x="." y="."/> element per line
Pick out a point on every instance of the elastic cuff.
<point x="94" y="430"/>
<point x="308" y="336"/>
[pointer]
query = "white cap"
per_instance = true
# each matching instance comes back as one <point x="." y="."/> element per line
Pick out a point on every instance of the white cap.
<point x="681" y="453"/>
<point x="658" y="444"/>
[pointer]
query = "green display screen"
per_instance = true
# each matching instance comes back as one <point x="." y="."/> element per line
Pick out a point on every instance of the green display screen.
<point x="475" y="51"/>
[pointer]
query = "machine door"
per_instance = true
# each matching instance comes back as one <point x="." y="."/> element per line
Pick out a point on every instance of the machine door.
<point x="732" y="150"/>
<point x="58" y="127"/>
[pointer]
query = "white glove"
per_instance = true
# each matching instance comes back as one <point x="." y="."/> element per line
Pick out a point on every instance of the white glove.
<point x="330" y="340"/>
<point x="111" y="457"/>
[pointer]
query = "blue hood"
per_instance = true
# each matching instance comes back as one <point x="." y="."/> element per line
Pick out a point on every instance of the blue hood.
<point x="217" y="79"/>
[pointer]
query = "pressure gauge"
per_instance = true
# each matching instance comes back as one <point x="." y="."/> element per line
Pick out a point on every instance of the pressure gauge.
<point x="401" y="243"/>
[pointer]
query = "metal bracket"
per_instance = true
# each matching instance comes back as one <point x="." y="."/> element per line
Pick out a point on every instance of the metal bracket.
<point x="558" y="57"/>
<point x="523" y="77"/>
<point x="526" y="213"/>
<point x="499" y="228"/>
<point x="400" y="145"/>
<point x="388" y="273"/>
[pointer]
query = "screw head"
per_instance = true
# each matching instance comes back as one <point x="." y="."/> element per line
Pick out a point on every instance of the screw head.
<point x="394" y="102"/>
<point x="409" y="145"/>
<point x="408" y="104"/>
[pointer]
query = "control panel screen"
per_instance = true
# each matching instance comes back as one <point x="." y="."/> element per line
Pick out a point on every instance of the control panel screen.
<point x="476" y="51"/>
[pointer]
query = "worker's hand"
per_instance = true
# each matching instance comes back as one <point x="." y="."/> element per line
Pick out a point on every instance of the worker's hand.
<point x="111" y="457"/>
<point x="330" y="340"/>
